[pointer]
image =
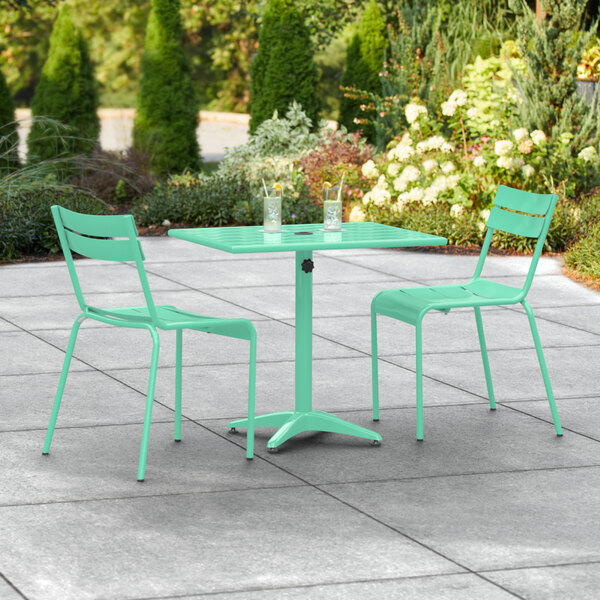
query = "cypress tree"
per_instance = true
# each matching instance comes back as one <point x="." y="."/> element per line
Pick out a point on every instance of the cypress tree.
<point x="167" y="107"/>
<point x="9" y="138"/>
<point x="552" y="49"/>
<point x="67" y="92"/>
<point x="283" y="69"/>
<point x="364" y="61"/>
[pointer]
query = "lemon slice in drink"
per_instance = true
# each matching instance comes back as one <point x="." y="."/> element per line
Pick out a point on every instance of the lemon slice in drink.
<point x="326" y="185"/>
<point x="277" y="186"/>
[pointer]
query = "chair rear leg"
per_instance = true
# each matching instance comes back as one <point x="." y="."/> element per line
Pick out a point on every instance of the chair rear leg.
<point x="543" y="368"/>
<point x="61" y="383"/>
<point x="484" y="358"/>
<point x="149" y="402"/>
<point x="419" y="349"/>
<point x="251" y="398"/>
<point x="178" y="379"/>
<point x="374" y="366"/>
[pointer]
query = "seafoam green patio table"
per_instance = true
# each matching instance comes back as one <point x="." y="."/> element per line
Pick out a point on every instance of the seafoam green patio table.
<point x="303" y="240"/>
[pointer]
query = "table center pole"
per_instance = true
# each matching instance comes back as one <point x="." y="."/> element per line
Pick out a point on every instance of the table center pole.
<point x="303" y="381"/>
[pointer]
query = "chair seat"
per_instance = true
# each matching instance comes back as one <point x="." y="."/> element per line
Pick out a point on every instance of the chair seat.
<point x="171" y="317"/>
<point x="410" y="304"/>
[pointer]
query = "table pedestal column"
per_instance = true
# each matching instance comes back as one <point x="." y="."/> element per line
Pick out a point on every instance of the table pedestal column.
<point x="303" y="417"/>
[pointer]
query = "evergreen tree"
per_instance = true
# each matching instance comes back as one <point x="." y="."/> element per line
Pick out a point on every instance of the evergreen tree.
<point x="364" y="61"/>
<point x="283" y="69"/>
<point x="552" y="49"/>
<point x="9" y="138"/>
<point x="167" y="107"/>
<point x="66" y="92"/>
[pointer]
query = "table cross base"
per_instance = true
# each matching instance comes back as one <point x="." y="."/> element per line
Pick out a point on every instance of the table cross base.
<point x="293" y="422"/>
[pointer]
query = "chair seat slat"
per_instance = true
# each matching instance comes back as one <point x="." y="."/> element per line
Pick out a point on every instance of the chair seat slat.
<point x="120" y="250"/>
<point x="515" y="223"/>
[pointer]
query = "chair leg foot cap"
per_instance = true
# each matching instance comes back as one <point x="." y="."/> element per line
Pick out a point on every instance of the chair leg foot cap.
<point x="272" y="450"/>
<point x="419" y="439"/>
<point x="140" y="481"/>
<point x="375" y="420"/>
<point x="45" y="453"/>
<point x="178" y="440"/>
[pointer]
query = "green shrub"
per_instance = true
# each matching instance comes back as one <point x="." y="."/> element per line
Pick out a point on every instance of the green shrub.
<point x="9" y="138"/>
<point x="167" y="108"/>
<point x="26" y="224"/>
<point x="67" y="93"/>
<point x="584" y="256"/>
<point x="206" y="201"/>
<point x="284" y="69"/>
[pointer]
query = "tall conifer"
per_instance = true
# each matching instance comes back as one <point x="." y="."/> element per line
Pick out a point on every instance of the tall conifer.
<point x="364" y="61"/>
<point x="67" y="92"/>
<point x="284" y="69"/>
<point x="9" y="138"/>
<point x="167" y="107"/>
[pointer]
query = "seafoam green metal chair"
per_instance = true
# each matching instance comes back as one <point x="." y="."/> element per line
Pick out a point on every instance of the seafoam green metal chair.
<point x="514" y="211"/>
<point x="88" y="235"/>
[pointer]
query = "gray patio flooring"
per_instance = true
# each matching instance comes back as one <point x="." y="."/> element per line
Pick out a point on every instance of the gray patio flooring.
<point x="492" y="505"/>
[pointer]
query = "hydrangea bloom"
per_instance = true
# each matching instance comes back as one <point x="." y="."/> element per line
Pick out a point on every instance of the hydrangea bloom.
<point x="520" y="134"/>
<point x="538" y="137"/>
<point x="357" y="215"/>
<point x="525" y="146"/>
<point x="459" y="97"/>
<point x="527" y="171"/>
<point x="479" y="161"/>
<point x="503" y="147"/>
<point x="449" y="108"/>
<point x="472" y="113"/>
<point x="429" y="165"/>
<point x="401" y="152"/>
<point x="588" y="154"/>
<point x="504" y="162"/>
<point x="447" y="147"/>
<point x="448" y="167"/>
<point x="457" y="210"/>
<point x="393" y="169"/>
<point x="416" y="194"/>
<point x="369" y="170"/>
<point x="412" y="112"/>
<point x="410" y="173"/>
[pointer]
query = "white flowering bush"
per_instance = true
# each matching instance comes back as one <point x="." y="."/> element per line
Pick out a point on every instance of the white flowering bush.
<point x="452" y="164"/>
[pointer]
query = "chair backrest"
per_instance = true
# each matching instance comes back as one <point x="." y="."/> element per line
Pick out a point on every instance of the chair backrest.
<point x="91" y="236"/>
<point x="520" y="213"/>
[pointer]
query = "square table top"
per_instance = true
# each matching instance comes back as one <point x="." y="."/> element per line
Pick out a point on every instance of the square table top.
<point x="238" y="240"/>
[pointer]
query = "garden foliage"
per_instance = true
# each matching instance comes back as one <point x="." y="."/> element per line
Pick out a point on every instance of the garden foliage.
<point x="26" y="224"/>
<point x="284" y="69"/>
<point x="67" y="92"/>
<point x="9" y="157"/>
<point x="552" y="51"/>
<point x="167" y="109"/>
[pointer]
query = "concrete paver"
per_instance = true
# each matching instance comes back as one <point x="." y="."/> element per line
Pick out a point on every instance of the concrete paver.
<point x="491" y="504"/>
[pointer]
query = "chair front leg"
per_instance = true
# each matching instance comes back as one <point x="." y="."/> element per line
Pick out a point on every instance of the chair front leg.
<point x="178" y="380"/>
<point x="251" y="397"/>
<point x="61" y="383"/>
<point x="419" y="351"/>
<point x="374" y="366"/>
<point x="149" y="402"/>
<point x="543" y="367"/>
<point x="484" y="358"/>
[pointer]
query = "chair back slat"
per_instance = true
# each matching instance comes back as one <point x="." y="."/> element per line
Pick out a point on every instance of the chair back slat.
<point x="120" y="250"/>
<point x="515" y="223"/>
<point x="74" y="231"/>
<point x="525" y="202"/>
<point x="503" y="218"/>
<point x="107" y="226"/>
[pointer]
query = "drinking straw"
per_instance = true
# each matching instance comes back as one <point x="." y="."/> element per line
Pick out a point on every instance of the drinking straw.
<point x="341" y="186"/>
<point x="265" y="186"/>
